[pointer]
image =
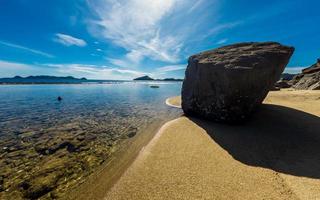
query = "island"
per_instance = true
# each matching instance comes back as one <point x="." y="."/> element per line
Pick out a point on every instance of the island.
<point x="144" y="78"/>
<point x="41" y="80"/>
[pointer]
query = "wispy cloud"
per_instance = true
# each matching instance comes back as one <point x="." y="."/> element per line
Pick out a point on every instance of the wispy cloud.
<point x="9" y="69"/>
<point x="12" y="65"/>
<point x="195" y="5"/>
<point x="135" y="25"/>
<point x="69" y="40"/>
<point x="37" y="52"/>
<point x="96" y="71"/>
<point x="222" y="41"/>
<point x="221" y="27"/>
<point x="170" y="68"/>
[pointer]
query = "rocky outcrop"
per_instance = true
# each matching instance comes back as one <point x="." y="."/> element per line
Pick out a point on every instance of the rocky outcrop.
<point x="314" y="68"/>
<point x="227" y="84"/>
<point x="309" y="79"/>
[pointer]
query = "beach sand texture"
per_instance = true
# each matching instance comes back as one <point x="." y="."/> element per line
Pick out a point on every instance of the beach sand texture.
<point x="276" y="155"/>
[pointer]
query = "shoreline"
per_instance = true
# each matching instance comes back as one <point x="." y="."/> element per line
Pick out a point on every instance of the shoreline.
<point x="177" y="155"/>
<point x="99" y="183"/>
<point x="135" y="147"/>
<point x="172" y="102"/>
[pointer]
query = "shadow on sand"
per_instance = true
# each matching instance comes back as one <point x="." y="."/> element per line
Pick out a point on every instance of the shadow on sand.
<point x="278" y="138"/>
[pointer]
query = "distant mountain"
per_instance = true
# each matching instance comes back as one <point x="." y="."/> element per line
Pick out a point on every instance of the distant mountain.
<point x="147" y="78"/>
<point x="41" y="80"/>
<point x="143" y="78"/>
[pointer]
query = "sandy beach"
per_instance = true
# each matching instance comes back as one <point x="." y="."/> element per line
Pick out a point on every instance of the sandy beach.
<point x="275" y="155"/>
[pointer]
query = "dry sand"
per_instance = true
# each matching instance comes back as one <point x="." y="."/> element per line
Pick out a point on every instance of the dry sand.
<point x="274" y="156"/>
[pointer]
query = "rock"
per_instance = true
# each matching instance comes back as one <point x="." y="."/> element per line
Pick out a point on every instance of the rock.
<point x="40" y="185"/>
<point x="154" y="86"/>
<point x="227" y="84"/>
<point x="295" y="79"/>
<point x="132" y="132"/>
<point x="287" y="76"/>
<point x="312" y="68"/>
<point x="309" y="79"/>
<point x="282" y="84"/>
<point x="273" y="88"/>
<point x="1" y="183"/>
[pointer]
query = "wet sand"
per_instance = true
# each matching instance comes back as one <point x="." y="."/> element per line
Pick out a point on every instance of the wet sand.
<point x="274" y="156"/>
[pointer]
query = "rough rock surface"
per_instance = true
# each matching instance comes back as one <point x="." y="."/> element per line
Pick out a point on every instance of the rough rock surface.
<point x="309" y="79"/>
<point x="228" y="83"/>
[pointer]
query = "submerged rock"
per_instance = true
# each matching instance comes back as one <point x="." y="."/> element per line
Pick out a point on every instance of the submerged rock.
<point x="154" y="86"/>
<point x="228" y="83"/>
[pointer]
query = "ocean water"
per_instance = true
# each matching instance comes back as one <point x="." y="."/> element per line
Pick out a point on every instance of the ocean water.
<point x="47" y="146"/>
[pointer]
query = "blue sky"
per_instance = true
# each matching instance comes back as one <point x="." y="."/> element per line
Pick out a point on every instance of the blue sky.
<point x="123" y="39"/>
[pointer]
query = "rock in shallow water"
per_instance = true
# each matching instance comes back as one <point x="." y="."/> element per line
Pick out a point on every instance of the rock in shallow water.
<point x="228" y="83"/>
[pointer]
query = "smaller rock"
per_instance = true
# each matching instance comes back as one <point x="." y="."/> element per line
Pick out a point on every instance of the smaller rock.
<point x="132" y="132"/>
<point x="313" y="68"/>
<point x="309" y="79"/>
<point x="282" y="84"/>
<point x="274" y="88"/>
<point x="59" y="98"/>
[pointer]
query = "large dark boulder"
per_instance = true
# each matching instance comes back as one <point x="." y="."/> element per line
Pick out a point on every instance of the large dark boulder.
<point x="227" y="84"/>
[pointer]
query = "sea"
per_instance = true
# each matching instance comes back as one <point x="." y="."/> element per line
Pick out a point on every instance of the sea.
<point x="47" y="145"/>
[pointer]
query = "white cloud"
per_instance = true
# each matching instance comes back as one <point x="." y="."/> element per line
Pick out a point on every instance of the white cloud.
<point x="293" y="70"/>
<point x="119" y="62"/>
<point x="130" y="60"/>
<point x="69" y="40"/>
<point x="136" y="26"/>
<point x="170" y="68"/>
<point x="99" y="49"/>
<point x="41" y="53"/>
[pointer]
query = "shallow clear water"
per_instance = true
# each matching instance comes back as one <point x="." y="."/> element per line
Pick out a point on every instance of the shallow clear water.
<point x="40" y="136"/>
<point x="35" y="105"/>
